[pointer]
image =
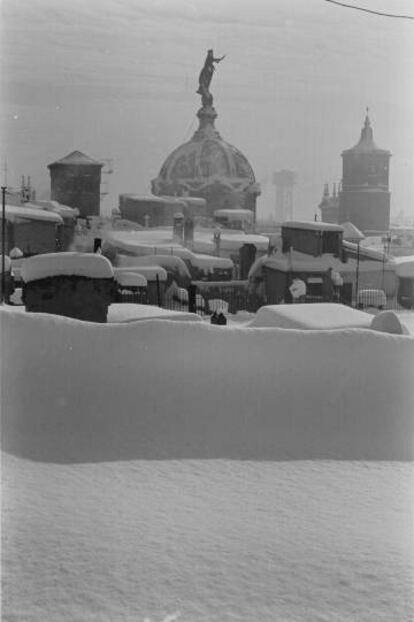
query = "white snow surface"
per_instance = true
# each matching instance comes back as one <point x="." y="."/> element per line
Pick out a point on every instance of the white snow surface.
<point x="92" y="265"/>
<point x="162" y="470"/>
<point x="128" y="312"/>
<point x="317" y="316"/>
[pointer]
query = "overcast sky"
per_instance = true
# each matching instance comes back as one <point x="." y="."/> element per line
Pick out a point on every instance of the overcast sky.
<point x="117" y="79"/>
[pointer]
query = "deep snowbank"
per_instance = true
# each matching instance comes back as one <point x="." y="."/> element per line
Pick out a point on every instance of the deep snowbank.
<point x="82" y="392"/>
<point x="207" y="541"/>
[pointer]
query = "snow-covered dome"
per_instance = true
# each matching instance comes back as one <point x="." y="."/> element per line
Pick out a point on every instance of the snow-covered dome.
<point x="209" y="167"/>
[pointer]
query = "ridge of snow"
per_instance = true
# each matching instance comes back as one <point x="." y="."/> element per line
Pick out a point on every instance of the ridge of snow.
<point x="192" y="389"/>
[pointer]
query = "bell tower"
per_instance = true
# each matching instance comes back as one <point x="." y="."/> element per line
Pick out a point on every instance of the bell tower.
<point x="365" y="198"/>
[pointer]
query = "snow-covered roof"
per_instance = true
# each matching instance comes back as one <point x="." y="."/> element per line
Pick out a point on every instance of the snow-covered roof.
<point x="194" y="201"/>
<point x="91" y="265"/>
<point x="311" y="225"/>
<point x="130" y="279"/>
<point x="160" y="241"/>
<point x="76" y="158"/>
<point x="146" y="242"/>
<point x="210" y="262"/>
<point x="149" y="272"/>
<point x="405" y="269"/>
<point x="16" y="212"/>
<point x="168" y="262"/>
<point x="366" y="251"/>
<point x="351" y="232"/>
<point x="301" y="262"/>
<point x="318" y="316"/>
<point x="234" y="213"/>
<point x="156" y="200"/>
<point x="54" y="206"/>
<point x="234" y="241"/>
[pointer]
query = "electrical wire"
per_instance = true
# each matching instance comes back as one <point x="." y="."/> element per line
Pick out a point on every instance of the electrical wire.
<point x="360" y="8"/>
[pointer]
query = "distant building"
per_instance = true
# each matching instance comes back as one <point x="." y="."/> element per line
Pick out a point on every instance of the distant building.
<point x="150" y="211"/>
<point x="284" y="181"/>
<point x="76" y="182"/>
<point x="329" y="205"/>
<point x="365" y="198"/>
<point x="312" y="238"/>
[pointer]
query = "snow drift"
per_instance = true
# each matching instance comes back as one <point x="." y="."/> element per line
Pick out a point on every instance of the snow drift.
<point x="82" y="392"/>
<point x="317" y="316"/>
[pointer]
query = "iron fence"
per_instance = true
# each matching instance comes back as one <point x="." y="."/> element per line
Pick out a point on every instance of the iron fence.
<point x="205" y="297"/>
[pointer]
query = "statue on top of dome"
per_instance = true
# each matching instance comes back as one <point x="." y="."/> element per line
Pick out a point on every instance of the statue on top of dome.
<point x="205" y="78"/>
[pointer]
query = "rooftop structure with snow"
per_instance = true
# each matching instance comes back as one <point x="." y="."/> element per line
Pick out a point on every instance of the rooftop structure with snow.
<point x="78" y="285"/>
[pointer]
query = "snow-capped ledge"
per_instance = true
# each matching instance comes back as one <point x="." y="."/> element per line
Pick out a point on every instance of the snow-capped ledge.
<point x="91" y="265"/>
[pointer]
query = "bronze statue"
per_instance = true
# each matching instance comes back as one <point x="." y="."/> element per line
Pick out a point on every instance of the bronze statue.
<point x="205" y="77"/>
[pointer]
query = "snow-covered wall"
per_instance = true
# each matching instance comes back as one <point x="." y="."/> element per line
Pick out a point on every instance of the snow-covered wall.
<point x="77" y="392"/>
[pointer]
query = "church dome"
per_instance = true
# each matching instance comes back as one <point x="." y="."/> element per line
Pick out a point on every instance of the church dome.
<point x="207" y="166"/>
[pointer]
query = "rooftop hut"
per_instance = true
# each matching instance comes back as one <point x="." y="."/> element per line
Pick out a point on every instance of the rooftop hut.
<point x="76" y="181"/>
<point x="32" y="230"/>
<point x="150" y="211"/>
<point x="77" y="285"/>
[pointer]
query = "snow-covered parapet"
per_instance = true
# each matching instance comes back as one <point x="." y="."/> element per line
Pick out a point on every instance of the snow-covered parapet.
<point x="90" y="265"/>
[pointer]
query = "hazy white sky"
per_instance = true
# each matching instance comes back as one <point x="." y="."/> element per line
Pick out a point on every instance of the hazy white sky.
<point x="117" y="79"/>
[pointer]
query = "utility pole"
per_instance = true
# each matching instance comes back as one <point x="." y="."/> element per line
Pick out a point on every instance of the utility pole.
<point x="3" y="243"/>
<point x="357" y="273"/>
